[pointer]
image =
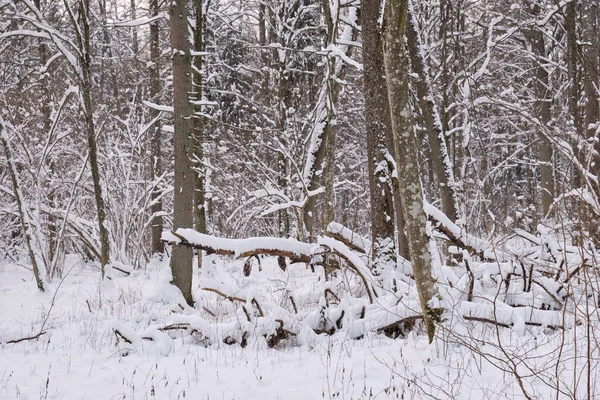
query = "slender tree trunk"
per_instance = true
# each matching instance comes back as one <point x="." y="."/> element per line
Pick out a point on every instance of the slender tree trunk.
<point x="90" y="130"/>
<point x="156" y="208"/>
<point x="183" y="197"/>
<point x="436" y="135"/>
<point x="321" y="167"/>
<point x="198" y="135"/>
<point x="380" y="149"/>
<point x="109" y="66"/>
<point x="591" y="83"/>
<point x="47" y="123"/>
<point x="25" y="224"/>
<point x="134" y="35"/>
<point x="396" y="68"/>
<point x="572" y="66"/>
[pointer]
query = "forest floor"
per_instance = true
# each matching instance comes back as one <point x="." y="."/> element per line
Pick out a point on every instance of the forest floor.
<point x="79" y="356"/>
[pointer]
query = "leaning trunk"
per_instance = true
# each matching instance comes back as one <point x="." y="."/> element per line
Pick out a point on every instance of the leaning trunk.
<point x="433" y="123"/>
<point x="25" y="224"/>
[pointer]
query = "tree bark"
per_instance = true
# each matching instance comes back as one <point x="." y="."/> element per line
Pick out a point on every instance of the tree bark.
<point x="396" y="68"/>
<point x="156" y="208"/>
<point x="320" y="172"/>
<point x="86" y="94"/>
<point x="574" y="92"/>
<point x="183" y="198"/>
<point x="433" y="125"/>
<point x="591" y="83"/>
<point x="379" y="140"/>
<point x="198" y="134"/>
<point x="542" y="110"/>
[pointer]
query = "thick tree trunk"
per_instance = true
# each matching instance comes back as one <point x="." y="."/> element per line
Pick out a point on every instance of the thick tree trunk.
<point x="396" y="68"/>
<point x="156" y="208"/>
<point x="379" y="140"/>
<point x="25" y="224"/>
<point x="183" y="198"/>
<point x="433" y="125"/>
<point x="90" y="130"/>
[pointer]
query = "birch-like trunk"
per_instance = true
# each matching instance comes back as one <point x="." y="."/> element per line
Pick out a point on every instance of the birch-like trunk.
<point x="396" y="68"/>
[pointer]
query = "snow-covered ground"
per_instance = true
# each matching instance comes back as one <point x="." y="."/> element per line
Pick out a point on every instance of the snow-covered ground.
<point x="80" y="357"/>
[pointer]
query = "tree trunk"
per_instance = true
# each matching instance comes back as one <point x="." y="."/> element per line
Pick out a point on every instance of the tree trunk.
<point x="396" y="68"/>
<point x="573" y="99"/>
<point x="436" y="136"/>
<point x="198" y="134"/>
<point x="90" y="130"/>
<point x="46" y="101"/>
<point x="183" y="197"/>
<point x="156" y="208"/>
<point x="134" y="35"/>
<point x="542" y="111"/>
<point x="25" y="224"/>
<point x="591" y="84"/>
<point x="321" y="162"/>
<point x="379" y="140"/>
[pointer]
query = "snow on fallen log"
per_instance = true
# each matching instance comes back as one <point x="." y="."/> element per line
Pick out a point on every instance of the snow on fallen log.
<point x="350" y="238"/>
<point x="504" y="315"/>
<point x="482" y="248"/>
<point x="293" y="249"/>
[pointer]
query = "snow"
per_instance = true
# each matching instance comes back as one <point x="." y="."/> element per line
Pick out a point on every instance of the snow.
<point x="356" y="240"/>
<point x="79" y="356"/>
<point x="240" y="246"/>
<point x="158" y="107"/>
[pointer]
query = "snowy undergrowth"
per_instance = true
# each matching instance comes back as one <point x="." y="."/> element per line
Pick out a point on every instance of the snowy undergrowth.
<point x="80" y="357"/>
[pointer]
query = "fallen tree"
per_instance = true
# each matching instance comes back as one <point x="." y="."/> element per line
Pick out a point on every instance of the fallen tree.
<point x="310" y="253"/>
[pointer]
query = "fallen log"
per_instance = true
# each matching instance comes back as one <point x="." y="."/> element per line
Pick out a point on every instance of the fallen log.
<point x="310" y="253"/>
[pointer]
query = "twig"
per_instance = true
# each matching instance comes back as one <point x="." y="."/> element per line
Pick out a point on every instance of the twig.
<point x="26" y="338"/>
<point x="230" y="298"/>
<point x="118" y="334"/>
